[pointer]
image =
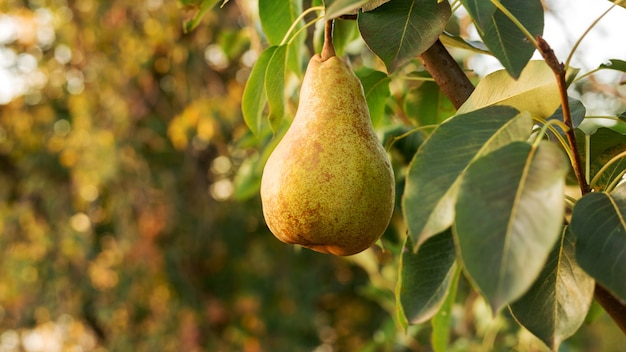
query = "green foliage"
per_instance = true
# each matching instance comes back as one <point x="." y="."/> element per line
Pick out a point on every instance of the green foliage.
<point x="510" y="208"/>
<point x="424" y="278"/>
<point x="601" y="238"/>
<point x="399" y="30"/>
<point x="432" y="185"/>
<point x="565" y="292"/>
<point x="506" y="41"/>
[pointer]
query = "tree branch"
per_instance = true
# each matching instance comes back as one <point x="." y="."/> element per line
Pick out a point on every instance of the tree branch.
<point x="559" y="72"/>
<point x="448" y="75"/>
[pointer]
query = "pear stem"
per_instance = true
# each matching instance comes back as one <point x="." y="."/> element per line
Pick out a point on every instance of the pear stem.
<point x="328" y="50"/>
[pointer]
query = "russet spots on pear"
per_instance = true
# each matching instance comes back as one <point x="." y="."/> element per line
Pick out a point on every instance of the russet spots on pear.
<point x="329" y="185"/>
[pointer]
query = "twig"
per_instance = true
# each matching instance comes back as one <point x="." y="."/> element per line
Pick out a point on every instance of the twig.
<point x="559" y="71"/>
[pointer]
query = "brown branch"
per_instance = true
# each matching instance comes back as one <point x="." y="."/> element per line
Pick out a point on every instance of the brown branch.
<point x="448" y="75"/>
<point x="457" y="87"/>
<point x="559" y="71"/>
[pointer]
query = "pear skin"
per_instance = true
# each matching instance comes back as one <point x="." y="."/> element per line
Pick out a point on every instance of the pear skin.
<point x="328" y="185"/>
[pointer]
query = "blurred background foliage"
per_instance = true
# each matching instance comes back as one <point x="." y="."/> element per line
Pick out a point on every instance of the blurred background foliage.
<point x="129" y="213"/>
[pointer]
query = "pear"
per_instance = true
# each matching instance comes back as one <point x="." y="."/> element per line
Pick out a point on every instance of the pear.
<point x="328" y="185"/>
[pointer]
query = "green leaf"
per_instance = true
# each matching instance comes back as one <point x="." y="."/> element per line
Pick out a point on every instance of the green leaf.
<point x="425" y="277"/>
<point x="276" y="19"/>
<point x="275" y="85"/>
<point x="277" y="16"/>
<point x="600" y="140"/>
<point x="439" y="164"/>
<point x="459" y="42"/>
<point x="254" y="94"/>
<point x="376" y="88"/>
<point x="442" y="321"/>
<point x="557" y="303"/>
<point x="399" y="30"/>
<point x="505" y="40"/>
<point x="202" y="7"/>
<point x="614" y="64"/>
<point x="577" y="112"/>
<point x="535" y="91"/>
<point x="337" y="8"/>
<point x="427" y="105"/>
<point x="508" y="215"/>
<point x="612" y="172"/>
<point x="599" y="224"/>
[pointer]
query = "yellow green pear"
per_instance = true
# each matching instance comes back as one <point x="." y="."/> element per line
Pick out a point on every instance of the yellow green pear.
<point x="328" y="185"/>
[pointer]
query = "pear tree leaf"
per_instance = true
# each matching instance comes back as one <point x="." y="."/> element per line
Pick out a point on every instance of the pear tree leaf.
<point x="535" y="91"/>
<point x="577" y="111"/>
<point x="441" y="161"/>
<point x="442" y="321"/>
<point x="376" y="89"/>
<point x="427" y="105"/>
<point x="459" y="42"/>
<point x="509" y="213"/>
<point x="501" y="35"/>
<point x="425" y="277"/>
<point x="275" y="85"/>
<point x="399" y="30"/>
<point x="599" y="224"/>
<point x="254" y="94"/>
<point x="337" y="8"/>
<point x="614" y="64"/>
<point x="556" y="305"/>
<point x="600" y="140"/>
<point x="613" y="171"/>
<point x="277" y="17"/>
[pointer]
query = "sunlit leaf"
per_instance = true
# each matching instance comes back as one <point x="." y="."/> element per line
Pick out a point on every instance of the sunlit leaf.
<point x="376" y="88"/>
<point x="599" y="224"/>
<point x="437" y="167"/>
<point x="535" y="91"/>
<point x="621" y="3"/>
<point x="508" y="215"/>
<point x="442" y="321"/>
<point x="402" y="29"/>
<point x="275" y="85"/>
<point x="557" y="303"/>
<point x="459" y="42"/>
<point x="254" y="94"/>
<point x="501" y="35"/>
<point x="277" y="17"/>
<point x="425" y="277"/>
<point x="337" y="8"/>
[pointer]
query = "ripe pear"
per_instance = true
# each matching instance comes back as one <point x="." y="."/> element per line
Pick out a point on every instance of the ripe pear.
<point x="328" y="185"/>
